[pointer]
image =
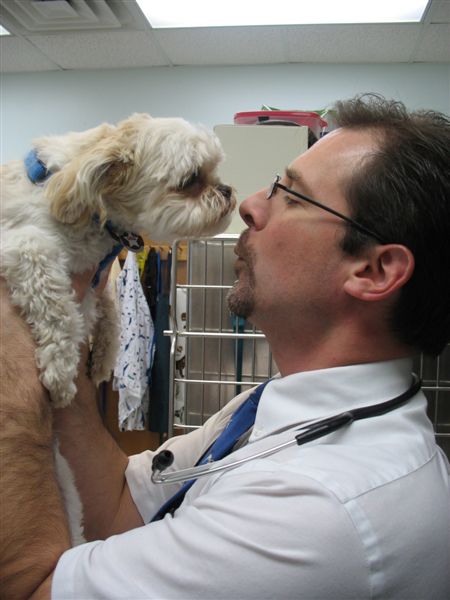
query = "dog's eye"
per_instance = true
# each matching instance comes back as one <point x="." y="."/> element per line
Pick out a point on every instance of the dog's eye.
<point x="189" y="181"/>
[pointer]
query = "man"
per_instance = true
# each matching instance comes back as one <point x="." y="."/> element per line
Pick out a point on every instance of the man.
<point x="344" y="266"/>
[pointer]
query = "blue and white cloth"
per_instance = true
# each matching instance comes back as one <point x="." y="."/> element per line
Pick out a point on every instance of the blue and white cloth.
<point x="135" y="359"/>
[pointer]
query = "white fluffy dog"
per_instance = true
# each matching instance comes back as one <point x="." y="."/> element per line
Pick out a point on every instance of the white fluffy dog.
<point x="74" y="201"/>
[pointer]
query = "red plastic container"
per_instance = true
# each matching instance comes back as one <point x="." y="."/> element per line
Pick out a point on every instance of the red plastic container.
<point x="282" y="117"/>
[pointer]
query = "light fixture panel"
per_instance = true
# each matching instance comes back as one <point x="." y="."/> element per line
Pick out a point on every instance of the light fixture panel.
<point x="205" y="13"/>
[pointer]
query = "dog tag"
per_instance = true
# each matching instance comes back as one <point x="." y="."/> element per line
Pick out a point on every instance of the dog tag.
<point x="131" y="241"/>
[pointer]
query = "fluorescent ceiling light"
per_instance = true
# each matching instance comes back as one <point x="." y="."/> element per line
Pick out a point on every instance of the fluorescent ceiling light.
<point x="207" y="13"/>
<point x="4" y="31"/>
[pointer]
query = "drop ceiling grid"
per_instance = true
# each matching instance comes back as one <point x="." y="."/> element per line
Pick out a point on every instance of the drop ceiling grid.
<point x="132" y="43"/>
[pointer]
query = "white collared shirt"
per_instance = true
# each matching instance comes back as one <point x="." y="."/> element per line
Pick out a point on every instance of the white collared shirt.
<point x="361" y="513"/>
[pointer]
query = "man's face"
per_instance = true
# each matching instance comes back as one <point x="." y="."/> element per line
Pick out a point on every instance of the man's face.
<point x="290" y="266"/>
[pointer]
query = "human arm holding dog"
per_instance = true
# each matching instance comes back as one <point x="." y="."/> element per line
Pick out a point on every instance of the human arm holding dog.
<point x="30" y="497"/>
<point x="97" y="462"/>
<point x="34" y="530"/>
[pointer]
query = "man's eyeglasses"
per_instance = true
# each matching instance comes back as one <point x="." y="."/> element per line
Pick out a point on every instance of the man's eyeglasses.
<point x="276" y="184"/>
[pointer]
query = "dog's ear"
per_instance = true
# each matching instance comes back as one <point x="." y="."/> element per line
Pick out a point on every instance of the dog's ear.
<point x="83" y="187"/>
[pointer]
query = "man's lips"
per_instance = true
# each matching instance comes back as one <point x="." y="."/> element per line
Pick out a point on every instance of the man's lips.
<point x="240" y="260"/>
<point x="240" y="249"/>
<point x="244" y="260"/>
<point x="242" y="263"/>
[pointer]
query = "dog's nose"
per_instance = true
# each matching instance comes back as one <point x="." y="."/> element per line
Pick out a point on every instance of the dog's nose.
<point x="225" y="190"/>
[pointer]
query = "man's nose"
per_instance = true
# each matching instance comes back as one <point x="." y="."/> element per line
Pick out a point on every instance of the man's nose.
<point x="254" y="210"/>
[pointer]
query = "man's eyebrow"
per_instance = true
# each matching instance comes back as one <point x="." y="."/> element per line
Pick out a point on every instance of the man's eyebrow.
<point x="297" y="178"/>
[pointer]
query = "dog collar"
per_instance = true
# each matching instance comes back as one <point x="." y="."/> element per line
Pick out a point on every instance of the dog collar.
<point x="36" y="170"/>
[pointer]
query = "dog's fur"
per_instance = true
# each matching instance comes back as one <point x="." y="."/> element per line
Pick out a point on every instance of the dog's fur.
<point x="155" y="176"/>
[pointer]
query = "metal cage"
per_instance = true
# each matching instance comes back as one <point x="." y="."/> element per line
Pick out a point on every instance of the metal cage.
<point x="215" y="356"/>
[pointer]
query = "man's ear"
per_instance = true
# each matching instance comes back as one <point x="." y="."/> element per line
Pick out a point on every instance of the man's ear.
<point x="379" y="272"/>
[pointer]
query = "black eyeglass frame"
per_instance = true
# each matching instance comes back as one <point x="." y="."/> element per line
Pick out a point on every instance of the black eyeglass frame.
<point x="276" y="184"/>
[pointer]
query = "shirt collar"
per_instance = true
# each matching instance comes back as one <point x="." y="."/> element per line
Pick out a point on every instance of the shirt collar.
<point x="316" y="394"/>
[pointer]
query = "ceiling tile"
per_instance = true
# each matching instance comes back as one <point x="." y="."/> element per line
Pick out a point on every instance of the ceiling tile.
<point x="102" y="50"/>
<point x="352" y="44"/>
<point x="439" y="12"/>
<point x="435" y="44"/>
<point x="19" y="56"/>
<point x="223" y="45"/>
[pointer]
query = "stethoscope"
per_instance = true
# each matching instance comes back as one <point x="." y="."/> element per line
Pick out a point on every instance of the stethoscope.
<point x="308" y="433"/>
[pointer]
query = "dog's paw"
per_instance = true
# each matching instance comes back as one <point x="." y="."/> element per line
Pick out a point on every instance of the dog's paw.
<point x="58" y="365"/>
<point x="62" y="391"/>
<point x="105" y="340"/>
<point x="63" y="397"/>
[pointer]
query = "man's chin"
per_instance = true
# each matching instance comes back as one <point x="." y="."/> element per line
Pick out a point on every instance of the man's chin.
<point x="240" y="300"/>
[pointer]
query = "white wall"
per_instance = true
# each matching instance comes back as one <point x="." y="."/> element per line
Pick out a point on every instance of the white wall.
<point x="55" y="102"/>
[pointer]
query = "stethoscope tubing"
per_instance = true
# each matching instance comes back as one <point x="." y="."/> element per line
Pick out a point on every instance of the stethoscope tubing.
<point x="215" y="467"/>
<point x="313" y="431"/>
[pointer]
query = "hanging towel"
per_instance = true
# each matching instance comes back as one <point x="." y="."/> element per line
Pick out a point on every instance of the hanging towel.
<point x="135" y="358"/>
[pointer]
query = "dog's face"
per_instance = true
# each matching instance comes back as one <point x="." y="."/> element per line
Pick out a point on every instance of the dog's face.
<point x="154" y="176"/>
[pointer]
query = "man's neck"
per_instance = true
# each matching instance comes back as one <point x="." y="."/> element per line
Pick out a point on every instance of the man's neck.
<point x="307" y="352"/>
